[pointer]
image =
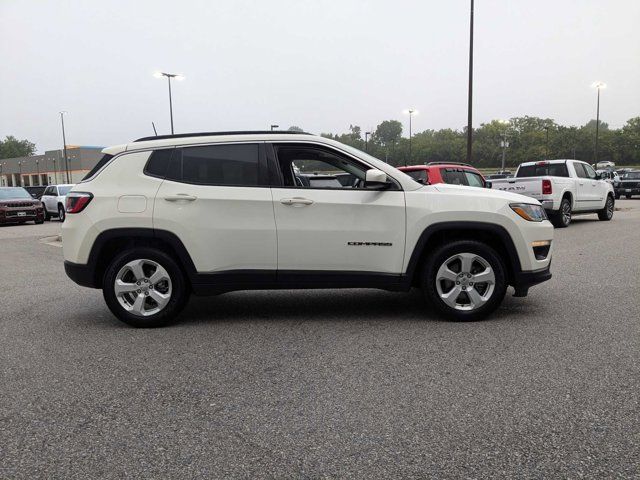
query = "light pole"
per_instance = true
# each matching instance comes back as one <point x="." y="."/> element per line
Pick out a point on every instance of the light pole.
<point x="546" y="148"/>
<point x="169" y="76"/>
<point x="504" y="143"/>
<point x="273" y="127"/>
<point x="366" y="141"/>
<point x="411" y="112"/>
<point x="20" y="174"/>
<point x="1" y="177"/>
<point x="470" y="94"/>
<point x="38" y="169"/>
<point x="64" y="146"/>
<point x="598" y="86"/>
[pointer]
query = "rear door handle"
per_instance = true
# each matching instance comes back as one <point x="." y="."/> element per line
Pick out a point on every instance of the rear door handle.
<point x="296" y="201"/>
<point x="179" y="197"/>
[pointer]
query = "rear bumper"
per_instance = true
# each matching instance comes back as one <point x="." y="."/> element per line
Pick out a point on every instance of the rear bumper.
<point x="83" y="275"/>
<point x="522" y="281"/>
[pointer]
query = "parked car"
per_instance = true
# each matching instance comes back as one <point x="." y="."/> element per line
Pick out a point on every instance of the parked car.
<point x="564" y="187"/>
<point x="36" y="191"/>
<point x="629" y="184"/>
<point x="604" y="164"/>
<point x="610" y="176"/>
<point x="445" y="172"/>
<point x="165" y="216"/>
<point x="17" y="206"/>
<point x="53" y="200"/>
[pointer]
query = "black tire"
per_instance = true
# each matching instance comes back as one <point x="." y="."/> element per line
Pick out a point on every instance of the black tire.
<point x="179" y="288"/>
<point x="61" y="213"/>
<point x="617" y="195"/>
<point x="628" y="196"/>
<point x="429" y="281"/>
<point x="606" y="213"/>
<point x="562" y="219"/>
<point x="47" y="216"/>
<point x="39" y="222"/>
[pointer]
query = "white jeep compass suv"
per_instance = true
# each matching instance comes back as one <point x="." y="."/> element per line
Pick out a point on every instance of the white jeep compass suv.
<point x="165" y="216"/>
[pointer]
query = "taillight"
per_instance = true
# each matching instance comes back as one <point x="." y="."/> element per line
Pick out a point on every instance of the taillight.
<point x="546" y="187"/>
<point x="77" y="201"/>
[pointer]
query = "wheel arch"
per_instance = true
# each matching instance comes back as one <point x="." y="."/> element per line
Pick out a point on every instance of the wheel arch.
<point x="493" y="235"/>
<point x="111" y="242"/>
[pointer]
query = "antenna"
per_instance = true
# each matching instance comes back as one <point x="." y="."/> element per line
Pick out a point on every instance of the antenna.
<point x="154" y="128"/>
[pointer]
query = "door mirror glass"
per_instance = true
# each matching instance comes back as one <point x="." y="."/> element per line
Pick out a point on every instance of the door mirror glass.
<point x="376" y="179"/>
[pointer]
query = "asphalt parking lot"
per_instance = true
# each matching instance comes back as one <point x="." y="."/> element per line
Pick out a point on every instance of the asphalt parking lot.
<point x="331" y="383"/>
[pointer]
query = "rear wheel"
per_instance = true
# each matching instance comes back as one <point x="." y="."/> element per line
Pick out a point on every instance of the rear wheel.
<point x="464" y="280"/>
<point x="144" y="287"/>
<point x="562" y="218"/>
<point x="628" y="196"/>
<point x="606" y="213"/>
<point x="47" y="216"/>
<point x="61" y="213"/>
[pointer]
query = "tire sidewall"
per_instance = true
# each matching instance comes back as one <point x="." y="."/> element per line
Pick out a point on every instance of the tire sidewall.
<point x="61" y="213"/>
<point x="179" y="291"/>
<point x="441" y="254"/>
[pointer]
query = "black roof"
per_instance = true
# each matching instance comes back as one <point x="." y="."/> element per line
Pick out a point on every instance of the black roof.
<point x="209" y="134"/>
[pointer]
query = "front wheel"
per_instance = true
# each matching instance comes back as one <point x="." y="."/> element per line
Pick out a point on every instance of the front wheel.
<point x="61" y="213"/>
<point x="562" y="218"/>
<point x="464" y="280"/>
<point x="144" y="287"/>
<point x="606" y="213"/>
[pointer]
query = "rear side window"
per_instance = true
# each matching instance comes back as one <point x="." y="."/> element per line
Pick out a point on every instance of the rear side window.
<point x="230" y="165"/>
<point x="548" y="170"/>
<point x="158" y="163"/>
<point x="454" y="176"/>
<point x="101" y="163"/>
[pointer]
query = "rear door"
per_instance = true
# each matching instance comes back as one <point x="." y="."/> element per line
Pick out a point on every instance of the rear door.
<point x="217" y="200"/>
<point x="49" y="199"/>
<point x="333" y="227"/>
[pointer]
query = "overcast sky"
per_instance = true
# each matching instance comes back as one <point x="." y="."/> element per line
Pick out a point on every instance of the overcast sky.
<point x="321" y="65"/>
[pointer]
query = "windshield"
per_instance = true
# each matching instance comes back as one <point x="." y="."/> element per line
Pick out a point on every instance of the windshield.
<point x="64" y="189"/>
<point x="13" y="192"/>
<point x="543" y="170"/>
<point x="631" y="176"/>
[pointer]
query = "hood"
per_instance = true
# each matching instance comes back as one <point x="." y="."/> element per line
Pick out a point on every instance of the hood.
<point x="485" y="192"/>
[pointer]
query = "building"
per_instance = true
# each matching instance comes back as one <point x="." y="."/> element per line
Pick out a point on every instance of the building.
<point x="50" y="168"/>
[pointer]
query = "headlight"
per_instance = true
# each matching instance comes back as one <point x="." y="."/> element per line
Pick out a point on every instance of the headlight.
<point x="531" y="213"/>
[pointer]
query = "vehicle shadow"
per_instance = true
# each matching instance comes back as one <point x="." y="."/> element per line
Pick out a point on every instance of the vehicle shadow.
<point x="325" y="305"/>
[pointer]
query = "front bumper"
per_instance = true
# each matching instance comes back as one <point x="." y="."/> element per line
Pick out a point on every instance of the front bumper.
<point x="522" y="281"/>
<point x="12" y="216"/>
<point x="628" y="191"/>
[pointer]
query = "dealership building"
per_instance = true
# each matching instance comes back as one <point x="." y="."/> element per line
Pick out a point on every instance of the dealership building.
<point x="49" y="168"/>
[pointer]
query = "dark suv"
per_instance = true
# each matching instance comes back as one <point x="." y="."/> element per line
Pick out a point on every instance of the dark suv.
<point x="17" y="206"/>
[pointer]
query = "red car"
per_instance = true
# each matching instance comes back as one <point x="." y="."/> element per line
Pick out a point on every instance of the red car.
<point x="17" y="206"/>
<point x="446" y="172"/>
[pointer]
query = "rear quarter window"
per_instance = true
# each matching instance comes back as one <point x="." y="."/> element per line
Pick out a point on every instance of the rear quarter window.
<point x="158" y="163"/>
<point x="101" y="163"/>
<point x="550" y="170"/>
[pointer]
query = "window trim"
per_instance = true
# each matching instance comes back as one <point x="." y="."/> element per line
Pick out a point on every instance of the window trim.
<point x="278" y="180"/>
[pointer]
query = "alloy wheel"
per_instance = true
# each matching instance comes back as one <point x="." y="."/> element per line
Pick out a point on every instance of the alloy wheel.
<point x="143" y="287"/>
<point x="465" y="281"/>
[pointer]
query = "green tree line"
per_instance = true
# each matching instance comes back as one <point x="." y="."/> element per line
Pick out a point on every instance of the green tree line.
<point x="528" y="138"/>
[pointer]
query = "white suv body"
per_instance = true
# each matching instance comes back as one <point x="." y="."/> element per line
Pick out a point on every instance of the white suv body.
<point x="54" y="198"/>
<point x="230" y="211"/>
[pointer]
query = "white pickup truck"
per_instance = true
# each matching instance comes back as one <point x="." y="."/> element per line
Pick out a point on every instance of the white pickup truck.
<point x="563" y="187"/>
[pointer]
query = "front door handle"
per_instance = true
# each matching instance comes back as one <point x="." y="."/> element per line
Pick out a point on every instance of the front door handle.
<point x="296" y="201"/>
<point x="179" y="197"/>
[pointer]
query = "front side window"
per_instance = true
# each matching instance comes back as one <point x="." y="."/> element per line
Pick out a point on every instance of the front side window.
<point x="590" y="172"/>
<point x="306" y="166"/>
<point x="223" y="165"/>
<point x="473" y="179"/>
<point x="579" y="168"/>
<point x="64" y="190"/>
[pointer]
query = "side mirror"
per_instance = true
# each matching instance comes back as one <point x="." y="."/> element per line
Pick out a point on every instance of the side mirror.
<point x="488" y="184"/>
<point x="376" y="179"/>
<point x="598" y="176"/>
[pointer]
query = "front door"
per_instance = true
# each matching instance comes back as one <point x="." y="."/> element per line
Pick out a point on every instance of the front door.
<point x="217" y="200"/>
<point x="328" y="220"/>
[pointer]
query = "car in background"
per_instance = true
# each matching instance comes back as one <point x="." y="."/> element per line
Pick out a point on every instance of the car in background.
<point x="17" y="206"/>
<point x="629" y="184"/>
<point x="604" y="164"/>
<point x="446" y="172"/>
<point x="53" y="199"/>
<point x="36" y="191"/>
<point x="564" y="187"/>
<point x="610" y="176"/>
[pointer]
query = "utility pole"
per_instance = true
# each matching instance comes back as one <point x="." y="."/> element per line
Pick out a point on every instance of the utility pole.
<point x="598" y="86"/>
<point x="504" y="143"/>
<point x="470" y="96"/>
<point x="64" y="147"/>
<point x="366" y="141"/>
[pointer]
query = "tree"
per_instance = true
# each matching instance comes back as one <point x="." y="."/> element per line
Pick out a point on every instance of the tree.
<point x="294" y="128"/>
<point x="388" y="132"/>
<point x="11" y="147"/>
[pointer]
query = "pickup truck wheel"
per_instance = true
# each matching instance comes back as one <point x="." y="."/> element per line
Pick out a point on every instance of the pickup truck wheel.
<point x="606" y="213"/>
<point x="562" y="218"/>
<point x="628" y="196"/>
<point x="144" y="287"/>
<point x="464" y="280"/>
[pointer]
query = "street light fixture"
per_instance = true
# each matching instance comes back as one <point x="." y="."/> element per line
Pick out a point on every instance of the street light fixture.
<point x="64" y="146"/>
<point x="273" y="127"/>
<point x="504" y="142"/>
<point x="599" y="86"/>
<point x="177" y="76"/>
<point x="366" y="141"/>
<point x="411" y="112"/>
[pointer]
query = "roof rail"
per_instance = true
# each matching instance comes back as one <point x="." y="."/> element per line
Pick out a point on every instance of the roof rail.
<point x="210" y="134"/>
<point x="448" y="163"/>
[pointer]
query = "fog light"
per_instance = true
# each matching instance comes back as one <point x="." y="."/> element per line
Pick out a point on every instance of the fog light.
<point x="541" y="249"/>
